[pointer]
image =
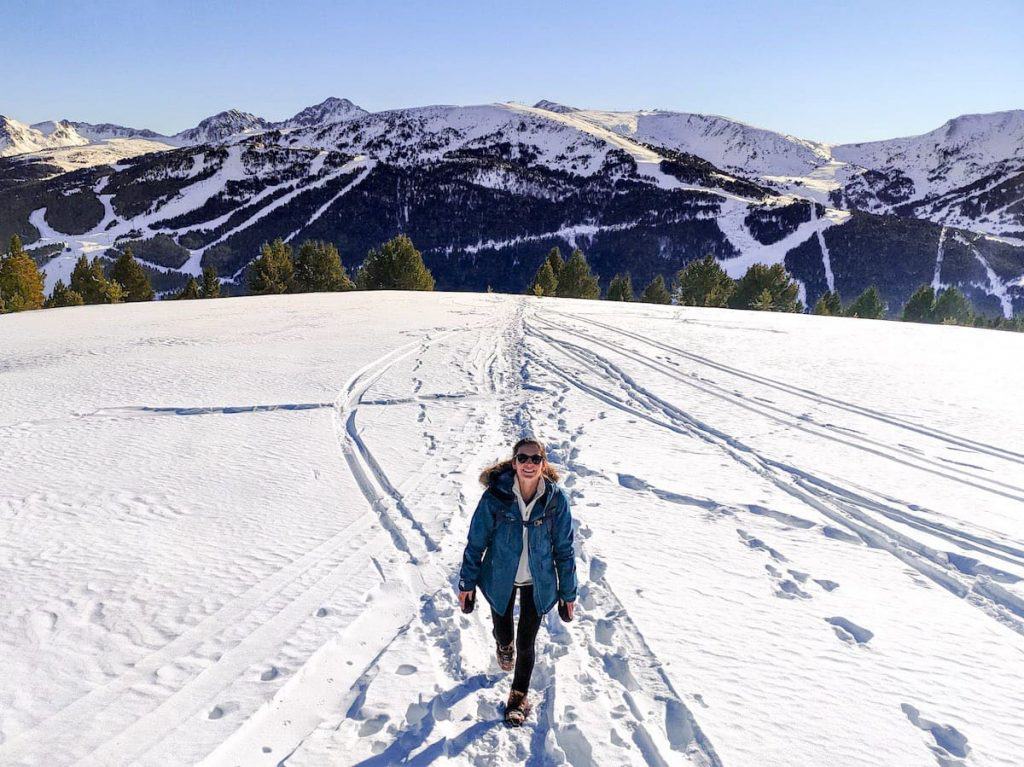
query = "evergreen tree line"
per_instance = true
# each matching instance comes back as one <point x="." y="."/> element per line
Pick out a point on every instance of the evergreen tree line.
<point x="398" y="265"/>
<point x="317" y="267"/>
<point x="761" y="288"/>
<point x="395" y="265"/>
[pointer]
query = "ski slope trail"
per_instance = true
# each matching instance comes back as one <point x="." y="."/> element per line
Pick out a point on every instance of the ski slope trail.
<point x="438" y="692"/>
<point x="798" y="539"/>
<point x="853" y="509"/>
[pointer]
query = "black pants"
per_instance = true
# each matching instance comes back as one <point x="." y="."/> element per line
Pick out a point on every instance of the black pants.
<point x="529" y="622"/>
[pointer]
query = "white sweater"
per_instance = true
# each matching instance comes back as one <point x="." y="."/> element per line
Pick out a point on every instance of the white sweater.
<point x="523" y="576"/>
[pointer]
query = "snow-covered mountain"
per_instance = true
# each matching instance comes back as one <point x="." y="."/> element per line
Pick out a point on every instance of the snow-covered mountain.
<point x="102" y="131"/>
<point x="951" y="156"/>
<point x="968" y="173"/>
<point x="726" y="143"/>
<point x="17" y="138"/>
<point x="221" y="126"/>
<point x="329" y="111"/>
<point x="485" y="190"/>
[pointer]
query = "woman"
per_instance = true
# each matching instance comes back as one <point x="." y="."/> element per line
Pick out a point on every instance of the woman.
<point x="520" y="540"/>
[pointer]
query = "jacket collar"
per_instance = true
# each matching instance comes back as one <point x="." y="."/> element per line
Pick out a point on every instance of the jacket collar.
<point x="517" y="490"/>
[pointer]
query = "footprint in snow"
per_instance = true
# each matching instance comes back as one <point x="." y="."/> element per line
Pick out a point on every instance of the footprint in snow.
<point x="839" y="535"/>
<point x="218" y="711"/>
<point x="270" y="673"/>
<point x="849" y="631"/>
<point x="950" y="744"/>
<point x="758" y="545"/>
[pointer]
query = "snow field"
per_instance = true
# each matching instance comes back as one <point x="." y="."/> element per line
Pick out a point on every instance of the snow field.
<point x="233" y="531"/>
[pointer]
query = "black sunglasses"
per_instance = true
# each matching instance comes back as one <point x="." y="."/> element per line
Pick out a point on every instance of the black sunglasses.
<point x="534" y="459"/>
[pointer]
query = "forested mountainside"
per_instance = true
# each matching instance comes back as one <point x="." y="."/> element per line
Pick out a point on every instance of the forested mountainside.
<point x="485" y="191"/>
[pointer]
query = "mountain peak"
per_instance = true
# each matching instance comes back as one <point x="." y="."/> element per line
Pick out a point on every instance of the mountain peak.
<point x="221" y="126"/>
<point x="18" y="138"/>
<point x="330" y="110"/>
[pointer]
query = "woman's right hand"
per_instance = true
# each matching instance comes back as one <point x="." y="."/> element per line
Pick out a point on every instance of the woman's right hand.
<point x="463" y="596"/>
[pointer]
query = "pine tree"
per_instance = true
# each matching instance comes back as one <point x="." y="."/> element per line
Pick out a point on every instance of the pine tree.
<point x="132" y="277"/>
<point x="89" y="281"/>
<point x="557" y="262"/>
<point x="776" y="280"/>
<point x="952" y="308"/>
<point x="828" y="305"/>
<point x="273" y="272"/>
<point x="395" y="265"/>
<point x="621" y="288"/>
<point x="868" y="305"/>
<point x="190" y="291"/>
<point x="765" y="301"/>
<point x="21" y="284"/>
<point x="921" y="306"/>
<point x="318" y="269"/>
<point x="211" y="285"/>
<point x="544" y="282"/>
<point x="62" y="295"/>
<point x="703" y="283"/>
<point x="656" y="292"/>
<point x="576" y="280"/>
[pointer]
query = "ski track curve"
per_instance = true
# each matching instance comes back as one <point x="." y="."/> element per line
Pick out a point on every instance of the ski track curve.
<point x="813" y="396"/>
<point x="846" y="507"/>
<point x="253" y="624"/>
<point x="413" y="572"/>
<point x="583" y="679"/>
<point x="822" y="430"/>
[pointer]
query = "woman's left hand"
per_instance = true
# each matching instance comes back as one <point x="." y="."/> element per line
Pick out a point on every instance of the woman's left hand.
<point x="569" y="607"/>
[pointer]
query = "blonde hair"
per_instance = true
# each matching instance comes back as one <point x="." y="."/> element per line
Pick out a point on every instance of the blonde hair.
<point x="492" y="471"/>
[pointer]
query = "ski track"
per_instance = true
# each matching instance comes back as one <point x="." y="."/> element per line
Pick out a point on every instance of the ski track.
<point x="792" y="420"/>
<point x="848" y="508"/>
<point x="601" y="695"/>
<point x="815" y="397"/>
<point x="575" y="664"/>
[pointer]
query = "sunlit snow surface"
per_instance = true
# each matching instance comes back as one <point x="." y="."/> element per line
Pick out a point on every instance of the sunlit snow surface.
<point x="229" y="534"/>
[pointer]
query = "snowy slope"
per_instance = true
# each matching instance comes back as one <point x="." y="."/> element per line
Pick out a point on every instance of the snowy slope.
<point x="18" y="138"/>
<point x="328" y="111"/>
<point x="221" y="126"/>
<point x="968" y="158"/>
<point x="110" y="151"/>
<point x="950" y="156"/>
<point x="726" y="143"/>
<point x="241" y="549"/>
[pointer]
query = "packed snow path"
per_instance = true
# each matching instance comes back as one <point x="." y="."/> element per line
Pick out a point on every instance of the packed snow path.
<point x="230" y="534"/>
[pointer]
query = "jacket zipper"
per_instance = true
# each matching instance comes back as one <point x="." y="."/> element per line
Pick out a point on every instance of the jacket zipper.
<point x="529" y="558"/>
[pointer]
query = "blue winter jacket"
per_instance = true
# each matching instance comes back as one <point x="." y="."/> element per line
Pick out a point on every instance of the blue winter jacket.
<point x="496" y="543"/>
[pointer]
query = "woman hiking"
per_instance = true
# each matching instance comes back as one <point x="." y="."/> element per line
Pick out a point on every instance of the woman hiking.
<point x="520" y="540"/>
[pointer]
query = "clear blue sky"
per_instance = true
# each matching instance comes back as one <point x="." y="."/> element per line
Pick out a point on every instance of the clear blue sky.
<point x="832" y="71"/>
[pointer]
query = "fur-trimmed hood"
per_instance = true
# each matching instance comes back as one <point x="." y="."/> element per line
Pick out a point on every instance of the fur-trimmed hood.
<point x="501" y="476"/>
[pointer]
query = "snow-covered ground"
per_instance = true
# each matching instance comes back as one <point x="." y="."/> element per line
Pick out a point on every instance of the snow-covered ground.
<point x="230" y="531"/>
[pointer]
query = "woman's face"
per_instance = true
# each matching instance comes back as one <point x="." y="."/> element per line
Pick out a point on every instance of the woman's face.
<point x="529" y="471"/>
